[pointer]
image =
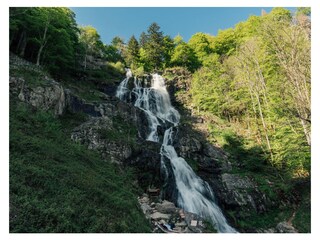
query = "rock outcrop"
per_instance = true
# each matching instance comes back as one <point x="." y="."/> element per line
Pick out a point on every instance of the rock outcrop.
<point x="96" y="134"/>
<point x="240" y="192"/>
<point x="49" y="96"/>
<point x="282" y="227"/>
<point x="164" y="216"/>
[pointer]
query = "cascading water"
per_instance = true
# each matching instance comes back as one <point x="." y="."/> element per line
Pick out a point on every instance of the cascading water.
<point x="194" y="194"/>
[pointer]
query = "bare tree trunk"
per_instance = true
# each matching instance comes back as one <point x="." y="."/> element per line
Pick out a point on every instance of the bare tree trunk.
<point x="306" y="131"/>
<point x="43" y="42"/>
<point x="85" y="59"/>
<point x="264" y="127"/>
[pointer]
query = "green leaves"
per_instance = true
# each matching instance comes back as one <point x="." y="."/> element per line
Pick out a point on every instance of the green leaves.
<point x="259" y="75"/>
<point x="44" y="35"/>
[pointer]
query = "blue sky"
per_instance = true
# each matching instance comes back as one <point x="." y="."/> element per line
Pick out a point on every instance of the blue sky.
<point x="127" y="21"/>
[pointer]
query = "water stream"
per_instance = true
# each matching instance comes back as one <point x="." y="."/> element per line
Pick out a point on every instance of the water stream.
<point x="194" y="194"/>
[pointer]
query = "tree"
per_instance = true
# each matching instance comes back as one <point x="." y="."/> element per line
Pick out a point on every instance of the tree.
<point x="39" y="34"/>
<point x="183" y="55"/>
<point x="118" y="43"/>
<point x="225" y="42"/>
<point x="90" y="40"/>
<point x="291" y="45"/>
<point x="132" y="56"/>
<point x="154" y="47"/>
<point x="143" y="39"/>
<point x="112" y="54"/>
<point x="200" y="44"/>
<point x="168" y="48"/>
<point x="304" y="11"/>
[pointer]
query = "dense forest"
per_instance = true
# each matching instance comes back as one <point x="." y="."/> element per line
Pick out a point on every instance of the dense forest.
<point x="255" y="77"/>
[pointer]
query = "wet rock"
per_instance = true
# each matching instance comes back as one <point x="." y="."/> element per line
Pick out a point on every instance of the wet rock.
<point x="166" y="207"/>
<point x="188" y="146"/>
<point x="169" y="188"/>
<point x="147" y="161"/>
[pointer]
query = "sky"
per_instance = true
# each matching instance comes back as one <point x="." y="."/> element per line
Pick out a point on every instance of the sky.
<point x="186" y="21"/>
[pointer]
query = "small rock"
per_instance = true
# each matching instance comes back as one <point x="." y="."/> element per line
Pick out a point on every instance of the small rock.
<point x="194" y="223"/>
<point x="177" y="229"/>
<point x="285" y="227"/>
<point x="144" y="200"/>
<point x="145" y="208"/>
<point x="162" y="221"/>
<point x="181" y="224"/>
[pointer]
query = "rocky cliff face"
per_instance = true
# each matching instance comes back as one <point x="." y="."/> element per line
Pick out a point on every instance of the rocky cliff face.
<point x="49" y="97"/>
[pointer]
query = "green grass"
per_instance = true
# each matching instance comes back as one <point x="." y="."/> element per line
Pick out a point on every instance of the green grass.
<point x="57" y="185"/>
<point x="34" y="77"/>
<point x="302" y="220"/>
<point x="262" y="221"/>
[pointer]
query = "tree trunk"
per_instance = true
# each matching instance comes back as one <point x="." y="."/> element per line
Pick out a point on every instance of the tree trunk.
<point x="22" y="44"/>
<point x="43" y="43"/>
<point x="306" y="131"/>
<point x="264" y="127"/>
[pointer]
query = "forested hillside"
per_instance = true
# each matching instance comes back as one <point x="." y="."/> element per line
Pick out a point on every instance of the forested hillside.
<point x="250" y="85"/>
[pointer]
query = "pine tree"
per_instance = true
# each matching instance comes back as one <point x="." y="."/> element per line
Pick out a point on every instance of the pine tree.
<point x="132" y="54"/>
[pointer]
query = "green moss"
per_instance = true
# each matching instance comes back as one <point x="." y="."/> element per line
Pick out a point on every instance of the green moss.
<point x="57" y="185"/>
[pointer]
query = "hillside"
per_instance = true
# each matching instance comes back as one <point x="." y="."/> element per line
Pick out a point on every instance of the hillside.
<point x="160" y="135"/>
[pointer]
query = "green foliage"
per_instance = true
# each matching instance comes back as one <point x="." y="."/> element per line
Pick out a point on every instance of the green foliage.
<point x="209" y="228"/>
<point x="250" y="158"/>
<point x="154" y="45"/>
<point x="47" y="36"/>
<point x="183" y="55"/>
<point x="90" y="40"/>
<point x="262" y="221"/>
<point x="57" y="185"/>
<point x="304" y="11"/>
<point x="132" y="56"/>
<point x="34" y="76"/>
<point x="138" y="71"/>
<point x="118" y="66"/>
<point x="252" y="79"/>
<point x="200" y="43"/>
<point x="225" y="42"/>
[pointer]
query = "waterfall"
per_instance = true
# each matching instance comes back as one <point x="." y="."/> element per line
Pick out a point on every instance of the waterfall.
<point x="194" y="194"/>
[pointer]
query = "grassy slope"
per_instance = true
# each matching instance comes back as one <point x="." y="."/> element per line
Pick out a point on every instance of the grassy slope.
<point x="57" y="185"/>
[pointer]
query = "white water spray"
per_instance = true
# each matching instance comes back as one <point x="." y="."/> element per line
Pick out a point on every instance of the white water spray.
<point x="194" y="194"/>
